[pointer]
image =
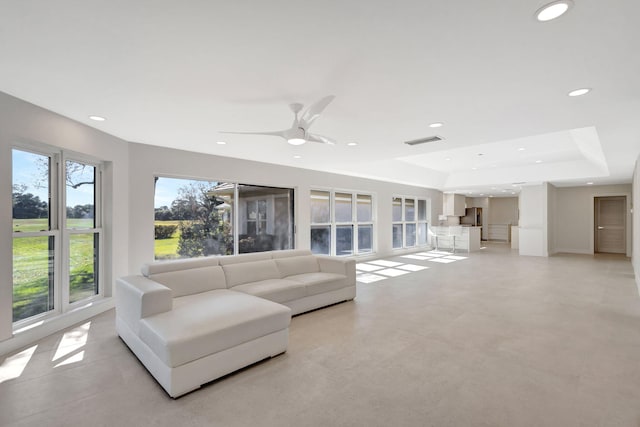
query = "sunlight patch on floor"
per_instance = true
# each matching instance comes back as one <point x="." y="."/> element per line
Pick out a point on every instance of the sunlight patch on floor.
<point x="70" y="343"/>
<point x="13" y="366"/>
<point x="375" y="271"/>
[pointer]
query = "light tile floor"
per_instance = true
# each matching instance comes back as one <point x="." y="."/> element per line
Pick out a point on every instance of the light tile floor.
<point x="491" y="340"/>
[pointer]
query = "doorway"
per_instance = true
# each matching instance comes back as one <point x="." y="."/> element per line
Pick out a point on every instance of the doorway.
<point x="610" y="224"/>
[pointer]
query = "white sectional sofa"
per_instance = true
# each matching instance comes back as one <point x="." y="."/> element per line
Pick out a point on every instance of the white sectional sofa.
<point x="192" y="321"/>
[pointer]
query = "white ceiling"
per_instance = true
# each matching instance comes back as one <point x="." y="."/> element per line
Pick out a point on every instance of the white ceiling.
<point x="175" y="74"/>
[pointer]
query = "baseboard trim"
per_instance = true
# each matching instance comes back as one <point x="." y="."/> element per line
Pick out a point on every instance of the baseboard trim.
<point x="573" y="251"/>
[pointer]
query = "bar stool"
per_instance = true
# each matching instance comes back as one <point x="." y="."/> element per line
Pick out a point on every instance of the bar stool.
<point x="455" y="231"/>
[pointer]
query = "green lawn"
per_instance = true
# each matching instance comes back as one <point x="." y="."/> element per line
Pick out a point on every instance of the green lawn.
<point x="32" y="259"/>
<point x="167" y="248"/>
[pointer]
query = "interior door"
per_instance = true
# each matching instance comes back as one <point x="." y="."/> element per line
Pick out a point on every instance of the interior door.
<point x="610" y="224"/>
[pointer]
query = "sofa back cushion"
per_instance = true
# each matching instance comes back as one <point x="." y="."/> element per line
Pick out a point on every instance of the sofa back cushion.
<point x="187" y="276"/>
<point x="242" y="258"/>
<point x="286" y="253"/>
<point x="178" y="265"/>
<point x="247" y="272"/>
<point x="297" y="265"/>
<point x="192" y="281"/>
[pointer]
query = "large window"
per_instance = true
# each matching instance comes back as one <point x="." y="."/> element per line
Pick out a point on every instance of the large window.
<point x="266" y="218"/>
<point x="56" y="232"/>
<point x="200" y="218"/>
<point x="341" y="222"/>
<point x="409" y="222"/>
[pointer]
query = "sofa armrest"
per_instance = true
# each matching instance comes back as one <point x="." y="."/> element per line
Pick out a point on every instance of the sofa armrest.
<point x="338" y="266"/>
<point x="138" y="297"/>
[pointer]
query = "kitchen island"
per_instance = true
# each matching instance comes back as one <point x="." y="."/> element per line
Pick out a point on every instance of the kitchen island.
<point x="466" y="238"/>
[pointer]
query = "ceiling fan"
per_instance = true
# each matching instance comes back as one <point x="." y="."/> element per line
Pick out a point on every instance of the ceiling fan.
<point x="298" y="133"/>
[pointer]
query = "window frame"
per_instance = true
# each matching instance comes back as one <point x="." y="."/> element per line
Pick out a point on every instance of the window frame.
<point x="239" y="218"/>
<point x="60" y="233"/>
<point x="333" y="224"/>
<point x="416" y="221"/>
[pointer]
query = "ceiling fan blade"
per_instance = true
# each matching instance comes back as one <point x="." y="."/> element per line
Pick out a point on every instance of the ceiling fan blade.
<point x="314" y="111"/>
<point x="280" y="133"/>
<point x="312" y="137"/>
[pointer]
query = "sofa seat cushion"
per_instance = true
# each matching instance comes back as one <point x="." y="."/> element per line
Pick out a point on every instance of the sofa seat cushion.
<point x="209" y="322"/>
<point x="277" y="290"/>
<point x="318" y="283"/>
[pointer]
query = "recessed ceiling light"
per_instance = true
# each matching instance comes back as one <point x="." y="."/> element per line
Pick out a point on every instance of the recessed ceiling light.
<point x="589" y="183"/>
<point x="538" y="161"/>
<point x="297" y="157"/>
<point x="553" y="10"/>
<point x="580" y="92"/>
<point x="513" y="192"/>
<point x="352" y="144"/>
<point x="448" y="159"/>
<point x="221" y="143"/>
<point x="473" y="169"/>
<point x="494" y="188"/>
<point x="97" y="118"/>
<point x="436" y="125"/>
<point x="482" y="194"/>
<point x="521" y="149"/>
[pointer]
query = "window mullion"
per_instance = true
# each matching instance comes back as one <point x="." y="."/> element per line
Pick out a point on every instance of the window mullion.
<point x="63" y="259"/>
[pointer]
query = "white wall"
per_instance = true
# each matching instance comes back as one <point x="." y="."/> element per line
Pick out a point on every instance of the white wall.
<point x="635" y="259"/>
<point x="24" y="123"/>
<point x="552" y="219"/>
<point x="185" y="164"/>
<point x="574" y="216"/>
<point x="533" y="232"/>
<point x="503" y="210"/>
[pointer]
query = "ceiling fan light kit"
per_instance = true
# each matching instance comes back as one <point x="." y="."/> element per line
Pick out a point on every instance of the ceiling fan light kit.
<point x="296" y="141"/>
<point x="298" y="133"/>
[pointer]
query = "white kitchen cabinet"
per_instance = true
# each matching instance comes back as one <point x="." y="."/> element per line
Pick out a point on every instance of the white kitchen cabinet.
<point x="454" y="204"/>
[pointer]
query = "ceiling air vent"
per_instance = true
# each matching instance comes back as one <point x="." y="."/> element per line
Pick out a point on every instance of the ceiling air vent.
<point x="434" y="138"/>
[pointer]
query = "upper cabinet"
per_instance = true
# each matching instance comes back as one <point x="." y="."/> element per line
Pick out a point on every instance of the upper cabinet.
<point x="454" y="204"/>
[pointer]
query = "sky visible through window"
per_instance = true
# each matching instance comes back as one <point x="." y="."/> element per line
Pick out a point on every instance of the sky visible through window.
<point x="28" y="170"/>
<point x="167" y="190"/>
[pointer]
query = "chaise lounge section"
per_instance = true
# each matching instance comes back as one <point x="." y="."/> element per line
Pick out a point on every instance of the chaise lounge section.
<point x="192" y="321"/>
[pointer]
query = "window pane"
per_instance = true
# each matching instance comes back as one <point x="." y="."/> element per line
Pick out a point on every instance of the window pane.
<point x="422" y="210"/>
<point x="33" y="263"/>
<point x="320" y="207"/>
<point x="193" y="218"/>
<point x="83" y="266"/>
<point x="422" y="233"/>
<point x="409" y="210"/>
<point x="321" y="240"/>
<point x="397" y="209"/>
<point x="266" y="218"/>
<point x="397" y="236"/>
<point x="365" y="238"/>
<point x="411" y="235"/>
<point x="344" y="240"/>
<point x="343" y="206"/>
<point x="80" y="185"/>
<point x="365" y="208"/>
<point x="30" y="191"/>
